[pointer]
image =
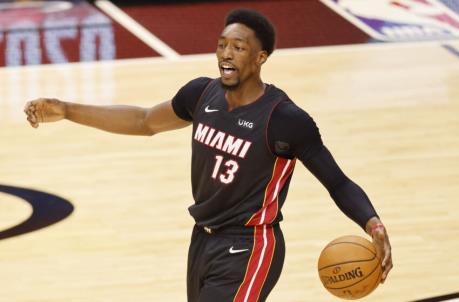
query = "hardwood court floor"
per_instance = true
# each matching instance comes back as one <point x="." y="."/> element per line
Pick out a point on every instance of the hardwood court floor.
<point x="388" y="113"/>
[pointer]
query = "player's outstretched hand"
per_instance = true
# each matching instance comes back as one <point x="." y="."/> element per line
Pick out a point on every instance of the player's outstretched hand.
<point x="44" y="110"/>
<point x="381" y="241"/>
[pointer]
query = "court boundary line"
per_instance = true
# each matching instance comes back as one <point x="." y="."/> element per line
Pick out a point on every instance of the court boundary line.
<point x="278" y="52"/>
<point x="366" y="28"/>
<point x="137" y="29"/>
<point x="451" y="49"/>
<point x="353" y="20"/>
<point x="449" y="297"/>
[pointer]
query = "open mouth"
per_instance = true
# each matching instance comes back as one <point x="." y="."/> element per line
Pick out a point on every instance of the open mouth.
<point x="227" y="69"/>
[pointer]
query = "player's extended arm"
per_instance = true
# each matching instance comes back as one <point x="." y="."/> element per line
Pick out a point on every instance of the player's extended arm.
<point x="293" y="133"/>
<point x="353" y="201"/>
<point x="120" y="119"/>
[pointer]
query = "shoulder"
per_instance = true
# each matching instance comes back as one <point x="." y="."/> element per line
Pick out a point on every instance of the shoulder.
<point x="292" y="125"/>
<point x="193" y="89"/>
<point x="288" y="116"/>
<point x="184" y="102"/>
<point x="286" y="110"/>
<point x="285" y="107"/>
<point x="198" y="84"/>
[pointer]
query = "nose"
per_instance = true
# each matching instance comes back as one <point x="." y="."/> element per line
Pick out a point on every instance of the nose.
<point x="227" y="52"/>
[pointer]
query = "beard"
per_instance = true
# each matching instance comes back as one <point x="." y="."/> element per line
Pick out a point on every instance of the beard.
<point x="229" y="87"/>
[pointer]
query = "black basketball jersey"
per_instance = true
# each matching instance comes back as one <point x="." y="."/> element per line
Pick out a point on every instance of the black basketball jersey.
<point x="236" y="179"/>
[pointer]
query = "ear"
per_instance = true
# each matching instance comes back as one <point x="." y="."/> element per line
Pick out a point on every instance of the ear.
<point x="262" y="57"/>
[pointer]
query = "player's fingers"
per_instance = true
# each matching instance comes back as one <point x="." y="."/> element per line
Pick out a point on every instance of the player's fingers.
<point x="40" y="111"/>
<point x="378" y="240"/>
<point x="386" y="271"/>
<point x="387" y="259"/>
<point x="32" y="120"/>
<point x="34" y="111"/>
<point x="30" y="105"/>
<point x="29" y="110"/>
<point x="31" y="117"/>
<point x="27" y="106"/>
<point x="33" y="124"/>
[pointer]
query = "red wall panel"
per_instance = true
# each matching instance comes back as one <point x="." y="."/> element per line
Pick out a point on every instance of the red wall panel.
<point x="194" y="27"/>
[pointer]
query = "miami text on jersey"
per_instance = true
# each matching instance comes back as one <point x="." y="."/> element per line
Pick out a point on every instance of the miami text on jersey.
<point x="221" y="141"/>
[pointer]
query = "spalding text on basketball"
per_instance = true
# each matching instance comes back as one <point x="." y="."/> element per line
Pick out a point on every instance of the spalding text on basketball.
<point x="354" y="274"/>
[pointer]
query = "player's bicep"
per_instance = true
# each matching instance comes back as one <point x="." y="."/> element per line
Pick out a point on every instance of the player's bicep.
<point x="293" y="133"/>
<point x="162" y="117"/>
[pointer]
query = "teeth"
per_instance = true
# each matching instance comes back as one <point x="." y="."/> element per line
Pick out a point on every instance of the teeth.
<point x="227" y="66"/>
<point x="227" y="69"/>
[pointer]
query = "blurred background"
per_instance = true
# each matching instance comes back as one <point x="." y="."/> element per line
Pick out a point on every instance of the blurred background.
<point x="50" y="32"/>
<point x="90" y="216"/>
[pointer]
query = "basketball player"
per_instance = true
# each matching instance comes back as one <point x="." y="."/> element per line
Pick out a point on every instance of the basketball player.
<point x="247" y="136"/>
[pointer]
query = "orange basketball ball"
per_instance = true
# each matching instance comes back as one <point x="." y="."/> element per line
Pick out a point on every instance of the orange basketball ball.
<point x="349" y="267"/>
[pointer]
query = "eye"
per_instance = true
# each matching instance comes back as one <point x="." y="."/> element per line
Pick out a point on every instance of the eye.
<point x="238" y="48"/>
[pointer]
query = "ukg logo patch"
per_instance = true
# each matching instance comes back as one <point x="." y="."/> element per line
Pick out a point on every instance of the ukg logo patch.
<point x="400" y="20"/>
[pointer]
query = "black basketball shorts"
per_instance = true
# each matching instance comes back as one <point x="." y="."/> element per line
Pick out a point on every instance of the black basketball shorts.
<point x="236" y="264"/>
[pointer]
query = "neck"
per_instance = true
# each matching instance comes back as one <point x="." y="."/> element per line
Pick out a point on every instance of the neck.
<point x="245" y="94"/>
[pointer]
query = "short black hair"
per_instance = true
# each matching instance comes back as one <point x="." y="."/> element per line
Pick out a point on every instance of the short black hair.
<point x="263" y="28"/>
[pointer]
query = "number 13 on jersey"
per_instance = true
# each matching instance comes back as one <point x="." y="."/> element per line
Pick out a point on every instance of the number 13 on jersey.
<point x="230" y="167"/>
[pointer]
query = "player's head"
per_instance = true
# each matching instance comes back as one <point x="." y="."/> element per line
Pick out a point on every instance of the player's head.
<point x="262" y="27"/>
<point x="244" y="45"/>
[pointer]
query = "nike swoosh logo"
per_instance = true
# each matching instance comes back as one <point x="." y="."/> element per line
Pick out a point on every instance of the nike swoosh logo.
<point x="233" y="251"/>
<point x="207" y="109"/>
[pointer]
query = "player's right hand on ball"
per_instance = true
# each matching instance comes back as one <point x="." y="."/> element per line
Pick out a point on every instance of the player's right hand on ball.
<point x="44" y="110"/>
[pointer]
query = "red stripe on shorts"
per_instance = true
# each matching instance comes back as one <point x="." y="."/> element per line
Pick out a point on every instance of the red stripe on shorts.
<point x="258" y="266"/>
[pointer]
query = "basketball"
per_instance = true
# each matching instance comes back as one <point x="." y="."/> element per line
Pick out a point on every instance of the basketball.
<point x="349" y="267"/>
